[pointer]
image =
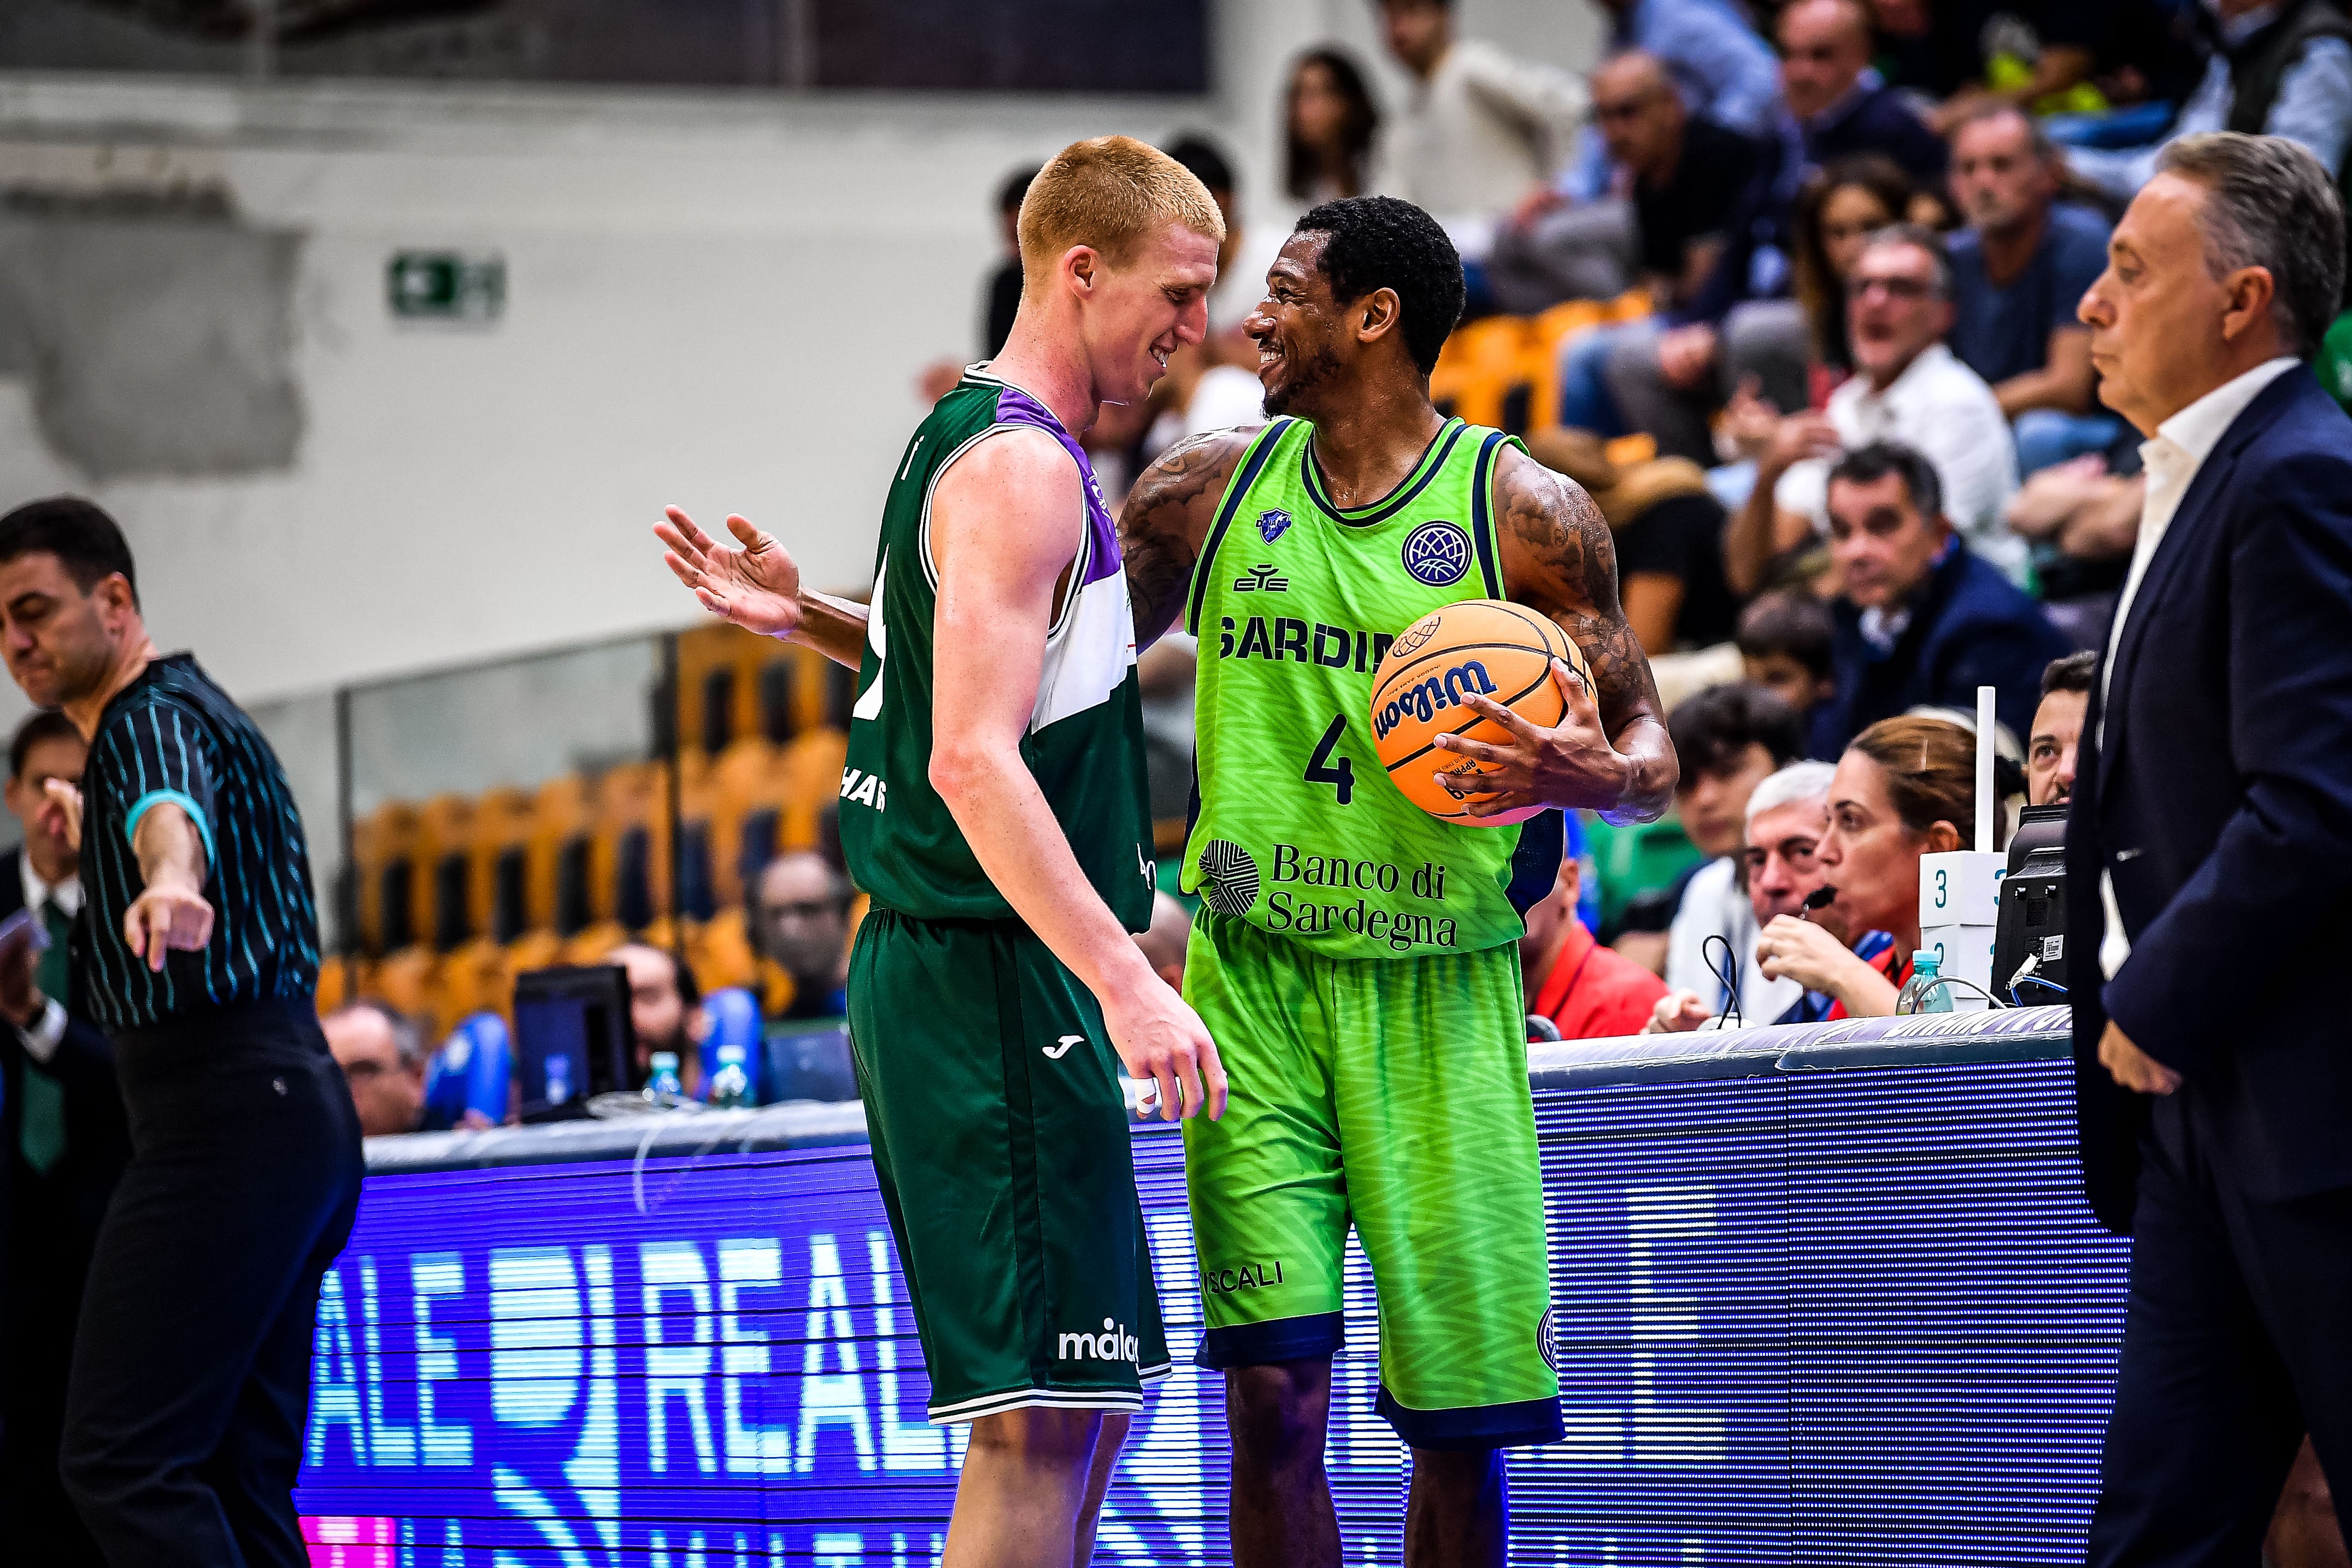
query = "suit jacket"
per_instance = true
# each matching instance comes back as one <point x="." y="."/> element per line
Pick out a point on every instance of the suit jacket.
<point x="1970" y="627"/>
<point x="2220" y="802"/>
<point x="97" y="1137"/>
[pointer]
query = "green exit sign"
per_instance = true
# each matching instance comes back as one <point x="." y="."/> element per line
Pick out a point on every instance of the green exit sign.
<point x="447" y="286"/>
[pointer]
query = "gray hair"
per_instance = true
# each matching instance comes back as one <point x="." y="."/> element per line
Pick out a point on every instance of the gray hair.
<point x="1798" y="781"/>
<point x="2269" y="204"/>
<point x="405" y="1034"/>
<point x="1920" y="237"/>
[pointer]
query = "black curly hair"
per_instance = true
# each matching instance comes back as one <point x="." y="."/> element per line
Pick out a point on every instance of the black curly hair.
<point x="1380" y="242"/>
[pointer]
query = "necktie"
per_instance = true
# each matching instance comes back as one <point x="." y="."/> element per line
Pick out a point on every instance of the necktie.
<point x="42" y="1138"/>
<point x="51" y="973"/>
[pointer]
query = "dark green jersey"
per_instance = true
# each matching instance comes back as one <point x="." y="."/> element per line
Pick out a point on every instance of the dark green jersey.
<point x="1085" y="740"/>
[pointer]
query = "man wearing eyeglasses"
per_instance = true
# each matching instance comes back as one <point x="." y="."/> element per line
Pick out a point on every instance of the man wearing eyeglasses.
<point x="1908" y="387"/>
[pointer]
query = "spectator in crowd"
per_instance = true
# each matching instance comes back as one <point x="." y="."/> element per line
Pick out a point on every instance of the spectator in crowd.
<point x="1480" y="130"/>
<point x="63" y="1142"/>
<point x="2017" y="271"/>
<point x="1839" y="207"/>
<point x="1907" y="388"/>
<point x="2281" y="67"/>
<point x="1669" y="375"/>
<point x="1212" y="384"/>
<point x="803" y="929"/>
<point x="999" y="296"/>
<point x="1722" y="69"/>
<point x="1004" y="282"/>
<point x="1671" y="180"/>
<point x="1906" y="787"/>
<point x="1730" y="738"/>
<point x="1979" y="54"/>
<point x="1668" y="529"/>
<point x="1922" y="622"/>
<point x="1787" y="815"/>
<point x="1329" y="124"/>
<point x="2058" y="728"/>
<point x="1588" y="991"/>
<point x="383" y="1059"/>
<point x="1164" y="941"/>
<point x="665" y="1009"/>
<point x="1787" y="641"/>
<point x="2081" y="521"/>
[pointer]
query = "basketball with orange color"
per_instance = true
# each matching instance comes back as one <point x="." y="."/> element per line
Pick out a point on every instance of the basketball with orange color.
<point x="1483" y="645"/>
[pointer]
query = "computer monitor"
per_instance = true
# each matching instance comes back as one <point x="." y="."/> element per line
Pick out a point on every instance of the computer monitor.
<point x="573" y="1039"/>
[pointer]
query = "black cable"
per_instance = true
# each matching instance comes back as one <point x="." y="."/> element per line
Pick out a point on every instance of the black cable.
<point x="1728" y="976"/>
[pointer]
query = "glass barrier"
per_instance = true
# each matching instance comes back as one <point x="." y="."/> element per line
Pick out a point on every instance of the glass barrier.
<point x="507" y="816"/>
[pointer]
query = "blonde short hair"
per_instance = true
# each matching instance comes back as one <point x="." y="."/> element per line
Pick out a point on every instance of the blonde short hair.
<point x="1111" y="192"/>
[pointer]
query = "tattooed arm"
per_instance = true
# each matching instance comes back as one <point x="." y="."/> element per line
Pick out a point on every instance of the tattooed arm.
<point x="1611" y="753"/>
<point x="1166" y="521"/>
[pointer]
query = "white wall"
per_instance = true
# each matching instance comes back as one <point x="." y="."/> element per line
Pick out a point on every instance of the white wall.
<point x="720" y="300"/>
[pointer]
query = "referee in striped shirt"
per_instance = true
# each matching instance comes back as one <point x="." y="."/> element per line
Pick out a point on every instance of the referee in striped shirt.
<point x="198" y="951"/>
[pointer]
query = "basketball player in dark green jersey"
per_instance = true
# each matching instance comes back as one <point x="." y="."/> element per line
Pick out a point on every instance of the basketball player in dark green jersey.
<point x="994" y="807"/>
<point x="1357" y="959"/>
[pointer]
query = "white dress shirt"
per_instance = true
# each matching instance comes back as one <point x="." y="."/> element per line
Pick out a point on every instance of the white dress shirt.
<point x="41" y="1037"/>
<point x="1484" y="130"/>
<point x="1715" y="905"/>
<point x="2172" y="457"/>
<point x="1945" y="409"/>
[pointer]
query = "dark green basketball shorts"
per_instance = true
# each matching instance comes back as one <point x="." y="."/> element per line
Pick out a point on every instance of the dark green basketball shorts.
<point x="1000" y="1136"/>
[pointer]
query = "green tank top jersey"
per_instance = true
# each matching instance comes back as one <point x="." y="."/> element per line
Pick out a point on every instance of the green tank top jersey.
<point x="1085" y="739"/>
<point x="1298" y="829"/>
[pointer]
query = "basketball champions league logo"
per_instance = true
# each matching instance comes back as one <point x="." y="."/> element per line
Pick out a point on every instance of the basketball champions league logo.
<point x="1437" y="553"/>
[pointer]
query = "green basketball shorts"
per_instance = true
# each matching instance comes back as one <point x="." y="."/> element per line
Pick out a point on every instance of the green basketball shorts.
<point x="1391" y="1095"/>
<point x="999" y="1137"/>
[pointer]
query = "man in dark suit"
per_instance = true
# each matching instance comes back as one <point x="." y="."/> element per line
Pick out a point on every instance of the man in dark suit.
<point x="2209" y="859"/>
<point x="65" y="1138"/>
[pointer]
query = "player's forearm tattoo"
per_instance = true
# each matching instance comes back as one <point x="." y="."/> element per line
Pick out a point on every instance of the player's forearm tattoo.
<point x="1163" y="525"/>
<point x="1560" y="534"/>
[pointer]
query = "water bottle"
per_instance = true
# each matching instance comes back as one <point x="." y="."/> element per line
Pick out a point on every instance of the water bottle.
<point x="663" y="1088"/>
<point x="730" y="1086"/>
<point x="1925" y="991"/>
<point x="558" y="1079"/>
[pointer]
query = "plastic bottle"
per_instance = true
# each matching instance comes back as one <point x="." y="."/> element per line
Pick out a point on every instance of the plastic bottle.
<point x="1925" y="991"/>
<point x="730" y="1086"/>
<point x="663" y="1088"/>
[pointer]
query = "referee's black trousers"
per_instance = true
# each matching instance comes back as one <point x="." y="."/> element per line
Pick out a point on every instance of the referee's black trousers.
<point x="191" y="1383"/>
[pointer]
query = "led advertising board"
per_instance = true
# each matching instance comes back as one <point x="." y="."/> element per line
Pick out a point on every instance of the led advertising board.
<point x="1852" y="1316"/>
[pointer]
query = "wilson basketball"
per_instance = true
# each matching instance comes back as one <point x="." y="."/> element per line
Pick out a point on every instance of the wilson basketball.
<point x="1483" y="645"/>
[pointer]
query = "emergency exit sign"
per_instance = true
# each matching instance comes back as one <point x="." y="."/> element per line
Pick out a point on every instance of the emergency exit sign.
<point x="447" y="285"/>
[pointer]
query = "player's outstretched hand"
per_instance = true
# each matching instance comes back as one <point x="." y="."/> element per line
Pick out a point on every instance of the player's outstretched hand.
<point x="1573" y="766"/>
<point x="758" y="587"/>
<point x="1162" y="1040"/>
<point x="164" y="916"/>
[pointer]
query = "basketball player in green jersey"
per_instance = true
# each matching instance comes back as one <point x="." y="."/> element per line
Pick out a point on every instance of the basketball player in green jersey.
<point x="1357" y="960"/>
<point x="994" y="807"/>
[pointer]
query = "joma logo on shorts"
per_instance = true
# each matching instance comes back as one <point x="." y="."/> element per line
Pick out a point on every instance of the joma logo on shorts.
<point x="1114" y="1343"/>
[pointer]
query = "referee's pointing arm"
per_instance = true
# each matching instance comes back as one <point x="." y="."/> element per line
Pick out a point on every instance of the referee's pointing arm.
<point x="172" y="911"/>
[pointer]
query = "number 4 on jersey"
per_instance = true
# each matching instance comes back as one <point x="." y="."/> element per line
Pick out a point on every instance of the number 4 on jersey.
<point x="1319" y="772"/>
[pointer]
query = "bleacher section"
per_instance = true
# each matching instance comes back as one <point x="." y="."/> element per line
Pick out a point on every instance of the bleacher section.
<point x="456" y="894"/>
